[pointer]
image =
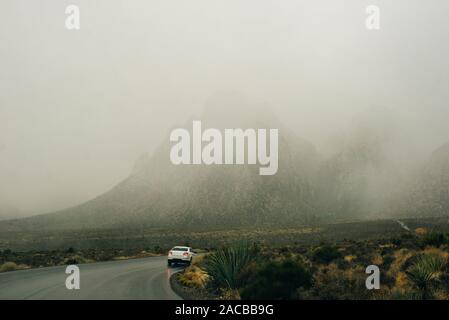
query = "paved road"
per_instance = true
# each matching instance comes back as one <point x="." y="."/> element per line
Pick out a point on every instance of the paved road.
<point x="131" y="279"/>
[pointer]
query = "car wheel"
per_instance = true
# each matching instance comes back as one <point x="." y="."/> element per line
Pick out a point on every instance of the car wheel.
<point x="189" y="262"/>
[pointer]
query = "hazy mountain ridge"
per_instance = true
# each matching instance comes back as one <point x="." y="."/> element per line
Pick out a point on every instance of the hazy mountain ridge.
<point x="429" y="195"/>
<point x="158" y="193"/>
<point x="369" y="176"/>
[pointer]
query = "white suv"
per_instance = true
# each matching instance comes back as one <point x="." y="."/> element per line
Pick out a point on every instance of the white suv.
<point x="180" y="254"/>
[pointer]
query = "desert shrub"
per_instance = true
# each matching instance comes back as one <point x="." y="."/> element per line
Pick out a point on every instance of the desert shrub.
<point x="400" y="260"/>
<point x="157" y="249"/>
<point x="284" y="250"/>
<point x="332" y="283"/>
<point x="224" y="264"/>
<point x="426" y="273"/>
<point x="435" y="239"/>
<point x="387" y="279"/>
<point x="387" y="261"/>
<point x="326" y="254"/>
<point x="70" y="250"/>
<point x="278" y="280"/>
<point x="342" y="263"/>
<point x="247" y="274"/>
<point x="76" y="259"/>
<point x="229" y="294"/>
<point x="8" y="266"/>
<point x="103" y="256"/>
<point x="408" y="235"/>
<point x="194" y="276"/>
<point x="350" y="258"/>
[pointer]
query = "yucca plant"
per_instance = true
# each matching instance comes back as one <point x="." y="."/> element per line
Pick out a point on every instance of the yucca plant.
<point x="224" y="265"/>
<point x="426" y="273"/>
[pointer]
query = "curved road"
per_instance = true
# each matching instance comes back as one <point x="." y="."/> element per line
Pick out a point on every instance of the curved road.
<point x="146" y="278"/>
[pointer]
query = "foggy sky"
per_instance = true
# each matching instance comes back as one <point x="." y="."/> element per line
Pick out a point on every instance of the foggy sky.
<point x="77" y="108"/>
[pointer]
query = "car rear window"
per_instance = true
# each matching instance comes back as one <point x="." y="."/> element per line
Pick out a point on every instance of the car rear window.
<point x="179" y="249"/>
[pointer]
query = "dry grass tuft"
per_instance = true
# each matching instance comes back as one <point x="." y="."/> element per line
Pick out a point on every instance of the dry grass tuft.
<point x="11" y="266"/>
<point x="194" y="277"/>
<point x="350" y="258"/>
<point x="432" y="250"/>
<point x="421" y="231"/>
<point x="378" y="259"/>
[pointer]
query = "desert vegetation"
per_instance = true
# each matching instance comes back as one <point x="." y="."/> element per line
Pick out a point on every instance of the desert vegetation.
<point x="12" y="266"/>
<point x="12" y="260"/>
<point x="160" y="240"/>
<point x="413" y="265"/>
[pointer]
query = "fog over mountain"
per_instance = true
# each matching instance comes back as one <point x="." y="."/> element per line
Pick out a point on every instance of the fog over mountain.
<point x="376" y="171"/>
<point x="362" y="114"/>
<point x="9" y="212"/>
<point x="158" y="193"/>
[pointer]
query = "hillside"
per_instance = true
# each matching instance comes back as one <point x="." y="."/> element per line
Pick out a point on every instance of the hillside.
<point x="158" y="193"/>
<point x="372" y="174"/>
<point x="430" y="193"/>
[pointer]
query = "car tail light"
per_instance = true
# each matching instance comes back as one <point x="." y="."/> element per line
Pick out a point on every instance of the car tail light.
<point x="185" y="254"/>
<point x="170" y="253"/>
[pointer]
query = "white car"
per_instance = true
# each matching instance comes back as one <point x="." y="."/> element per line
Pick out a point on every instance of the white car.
<point x="180" y="255"/>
